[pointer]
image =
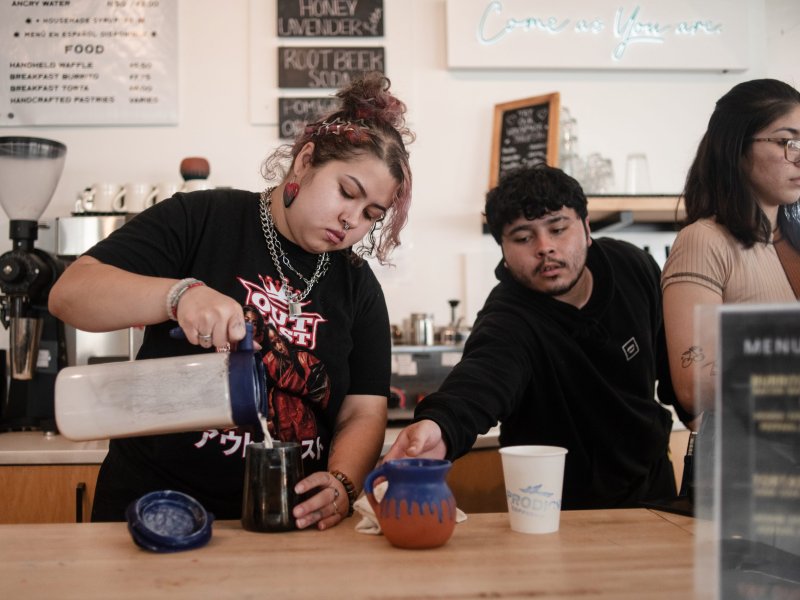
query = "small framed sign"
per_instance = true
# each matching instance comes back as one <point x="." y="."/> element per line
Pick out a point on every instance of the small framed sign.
<point x="525" y="133"/>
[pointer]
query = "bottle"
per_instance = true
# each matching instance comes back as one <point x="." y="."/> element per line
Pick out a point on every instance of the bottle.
<point x="569" y="159"/>
<point x="195" y="171"/>
<point x="162" y="395"/>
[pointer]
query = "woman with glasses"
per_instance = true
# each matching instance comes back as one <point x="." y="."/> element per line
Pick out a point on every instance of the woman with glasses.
<point x="742" y="233"/>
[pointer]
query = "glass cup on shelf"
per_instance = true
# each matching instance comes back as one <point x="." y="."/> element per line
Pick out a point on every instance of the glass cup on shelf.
<point x="637" y="174"/>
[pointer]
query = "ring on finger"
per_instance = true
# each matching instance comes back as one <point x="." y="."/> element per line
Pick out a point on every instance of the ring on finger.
<point x="335" y="493"/>
<point x="204" y="337"/>
<point x="335" y="508"/>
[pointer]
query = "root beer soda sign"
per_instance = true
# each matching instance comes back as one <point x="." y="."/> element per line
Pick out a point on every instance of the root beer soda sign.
<point x="326" y="67"/>
<point x="330" y="18"/>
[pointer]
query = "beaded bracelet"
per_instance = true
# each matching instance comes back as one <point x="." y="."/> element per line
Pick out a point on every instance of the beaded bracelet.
<point x="349" y="488"/>
<point x="175" y="293"/>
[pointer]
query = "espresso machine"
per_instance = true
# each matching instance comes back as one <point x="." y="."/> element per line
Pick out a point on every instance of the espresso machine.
<point x="29" y="172"/>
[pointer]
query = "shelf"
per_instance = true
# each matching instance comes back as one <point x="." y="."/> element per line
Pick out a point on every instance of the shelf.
<point x="616" y="211"/>
<point x="610" y="210"/>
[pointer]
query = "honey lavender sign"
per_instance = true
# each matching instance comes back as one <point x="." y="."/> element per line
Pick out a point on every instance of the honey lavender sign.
<point x="599" y="34"/>
<point x="330" y="18"/>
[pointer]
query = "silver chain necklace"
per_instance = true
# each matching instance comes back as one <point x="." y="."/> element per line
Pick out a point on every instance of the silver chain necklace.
<point x="279" y="256"/>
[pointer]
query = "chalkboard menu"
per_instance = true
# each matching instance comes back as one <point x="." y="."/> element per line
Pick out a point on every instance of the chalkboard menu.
<point x="326" y="67"/>
<point x="294" y="113"/>
<point x="352" y="18"/>
<point x="525" y="134"/>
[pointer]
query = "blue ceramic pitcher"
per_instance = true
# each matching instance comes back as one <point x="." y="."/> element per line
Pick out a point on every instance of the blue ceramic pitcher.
<point x="418" y="509"/>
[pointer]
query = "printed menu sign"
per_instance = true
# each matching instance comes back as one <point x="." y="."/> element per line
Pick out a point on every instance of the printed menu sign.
<point x="88" y="62"/>
<point x="525" y="134"/>
<point x="758" y="452"/>
<point x="330" y="18"/>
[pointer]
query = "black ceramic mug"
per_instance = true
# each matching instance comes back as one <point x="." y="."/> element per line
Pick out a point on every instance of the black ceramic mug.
<point x="270" y="475"/>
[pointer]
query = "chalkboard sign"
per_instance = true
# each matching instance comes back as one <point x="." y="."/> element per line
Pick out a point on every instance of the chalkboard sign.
<point x="525" y="134"/>
<point x="356" y="18"/>
<point x="326" y="67"/>
<point x="757" y="450"/>
<point x="294" y="113"/>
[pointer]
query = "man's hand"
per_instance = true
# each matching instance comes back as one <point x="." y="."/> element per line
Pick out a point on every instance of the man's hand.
<point x="422" y="439"/>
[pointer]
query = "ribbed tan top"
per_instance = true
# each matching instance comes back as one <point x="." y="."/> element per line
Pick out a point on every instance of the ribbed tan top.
<point x="790" y="260"/>
<point x="707" y="254"/>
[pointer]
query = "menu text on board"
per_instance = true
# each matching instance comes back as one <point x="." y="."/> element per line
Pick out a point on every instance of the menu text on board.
<point x="88" y="62"/>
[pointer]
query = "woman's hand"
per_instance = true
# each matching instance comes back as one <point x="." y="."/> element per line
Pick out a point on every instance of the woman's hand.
<point x="209" y="318"/>
<point x="327" y="507"/>
<point x="355" y="447"/>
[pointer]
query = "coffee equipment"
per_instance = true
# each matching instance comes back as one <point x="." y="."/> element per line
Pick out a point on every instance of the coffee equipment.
<point x="75" y="234"/>
<point x="29" y="172"/>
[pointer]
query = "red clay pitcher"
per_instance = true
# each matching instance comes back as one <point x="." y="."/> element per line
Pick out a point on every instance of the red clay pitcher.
<point x="418" y="509"/>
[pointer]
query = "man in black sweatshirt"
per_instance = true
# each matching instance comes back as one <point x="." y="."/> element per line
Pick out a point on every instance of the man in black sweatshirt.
<point x="566" y="351"/>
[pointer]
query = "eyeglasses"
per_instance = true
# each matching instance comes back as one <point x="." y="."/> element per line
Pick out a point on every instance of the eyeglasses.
<point x="791" y="148"/>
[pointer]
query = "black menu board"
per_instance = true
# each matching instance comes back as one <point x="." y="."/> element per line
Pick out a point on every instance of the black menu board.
<point x="315" y="18"/>
<point x="758" y="452"/>
<point x="294" y="113"/>
<point x="326" y="67"/>
<point x="525" y="133"/>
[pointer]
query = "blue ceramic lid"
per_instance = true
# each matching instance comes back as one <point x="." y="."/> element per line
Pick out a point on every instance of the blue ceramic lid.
<point x="168" y="521"/>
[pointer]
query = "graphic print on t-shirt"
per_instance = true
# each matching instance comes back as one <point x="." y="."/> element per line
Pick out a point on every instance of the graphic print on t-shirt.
<point x="298" y="384"/>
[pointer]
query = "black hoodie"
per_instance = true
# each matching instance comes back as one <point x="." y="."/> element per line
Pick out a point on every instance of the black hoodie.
<point x="583" y="379"/>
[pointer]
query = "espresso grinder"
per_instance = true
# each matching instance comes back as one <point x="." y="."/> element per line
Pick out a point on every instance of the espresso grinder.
<point x="29" y="172"/>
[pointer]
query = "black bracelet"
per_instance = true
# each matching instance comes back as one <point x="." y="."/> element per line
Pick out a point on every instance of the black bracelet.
<point x="349" y="488"/>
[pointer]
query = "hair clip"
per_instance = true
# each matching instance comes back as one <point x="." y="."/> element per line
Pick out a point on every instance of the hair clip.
<point x="355" y="132"/>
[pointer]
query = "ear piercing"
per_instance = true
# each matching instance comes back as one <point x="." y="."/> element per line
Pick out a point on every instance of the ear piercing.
<point x="290" y="191"/>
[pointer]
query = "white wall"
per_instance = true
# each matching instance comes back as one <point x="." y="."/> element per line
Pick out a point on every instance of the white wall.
<point x="662" y="114"/>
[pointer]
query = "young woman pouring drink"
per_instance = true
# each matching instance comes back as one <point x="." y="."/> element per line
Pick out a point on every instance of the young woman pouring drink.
<point x="205" y="258"/>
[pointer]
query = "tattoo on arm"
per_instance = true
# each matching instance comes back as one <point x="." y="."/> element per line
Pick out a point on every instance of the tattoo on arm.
<point x="693" y="355"/>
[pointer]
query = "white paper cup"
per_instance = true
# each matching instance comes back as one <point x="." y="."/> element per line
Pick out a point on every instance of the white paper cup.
<point x="534" y="477"/>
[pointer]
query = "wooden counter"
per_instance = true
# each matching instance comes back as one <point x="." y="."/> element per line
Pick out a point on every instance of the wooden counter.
<point x="49" y="479"/>
<point x="612" y="554"/>
<point x="37" y="448"/>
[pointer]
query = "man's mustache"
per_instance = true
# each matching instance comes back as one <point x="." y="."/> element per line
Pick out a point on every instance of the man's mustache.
<point x="551" y="263"/>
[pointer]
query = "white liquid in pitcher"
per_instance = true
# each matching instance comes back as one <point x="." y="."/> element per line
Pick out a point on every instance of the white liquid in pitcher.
<point x="265" y="429"/>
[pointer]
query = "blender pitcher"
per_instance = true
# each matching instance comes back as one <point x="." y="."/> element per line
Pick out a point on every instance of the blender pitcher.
<point x="162" y="395"/>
